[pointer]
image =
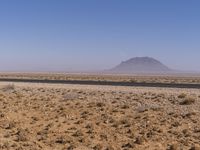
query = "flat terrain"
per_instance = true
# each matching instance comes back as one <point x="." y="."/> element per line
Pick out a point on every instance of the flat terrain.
<point x="65" y="117"/>
<point x="173" y="78"/>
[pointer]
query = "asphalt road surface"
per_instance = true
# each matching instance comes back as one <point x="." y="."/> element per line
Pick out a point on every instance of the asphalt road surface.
<point x="109" y="83"/>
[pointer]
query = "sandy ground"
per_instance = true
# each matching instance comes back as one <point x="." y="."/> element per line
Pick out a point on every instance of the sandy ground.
<point x="66" y="117"/>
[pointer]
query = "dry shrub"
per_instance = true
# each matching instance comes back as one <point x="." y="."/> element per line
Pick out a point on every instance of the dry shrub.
<point x="133" y="80"/>
<point x="8" y="87"/>
<point x="187" y="101"/>
<point x="100" y="104"/>
<point x="70" y="96"/>
<point x="182" y="95"/>
<point x="125" y="106"/>
<point x="142" y="109"/>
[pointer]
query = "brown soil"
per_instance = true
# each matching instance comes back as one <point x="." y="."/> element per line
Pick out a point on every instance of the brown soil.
<point x="66" y="117"/>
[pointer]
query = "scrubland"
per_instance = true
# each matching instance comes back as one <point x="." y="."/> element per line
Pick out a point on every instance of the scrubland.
<point x="67" y="117"/>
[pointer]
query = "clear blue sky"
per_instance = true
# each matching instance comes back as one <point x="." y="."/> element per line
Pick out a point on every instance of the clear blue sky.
<point x="70" y="35"/>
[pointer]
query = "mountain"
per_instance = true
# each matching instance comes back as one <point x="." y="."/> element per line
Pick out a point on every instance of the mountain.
<point x="141" y="65"/>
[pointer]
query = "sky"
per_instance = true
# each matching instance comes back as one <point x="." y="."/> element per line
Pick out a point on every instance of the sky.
<point x="86" y="35"/>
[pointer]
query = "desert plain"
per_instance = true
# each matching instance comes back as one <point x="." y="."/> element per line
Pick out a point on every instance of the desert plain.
<point x="135" y="78"/>
<point x="39" y="116"/>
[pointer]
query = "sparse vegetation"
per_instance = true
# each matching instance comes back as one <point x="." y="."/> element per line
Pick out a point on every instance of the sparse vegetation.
<point x="65" y="116"/>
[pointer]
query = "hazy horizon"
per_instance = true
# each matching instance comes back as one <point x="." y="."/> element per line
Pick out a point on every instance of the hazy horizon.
<point x="93" y="35"/>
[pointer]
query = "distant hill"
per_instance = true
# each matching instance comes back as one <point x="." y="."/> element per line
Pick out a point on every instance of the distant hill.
<point x="141" y="65"/>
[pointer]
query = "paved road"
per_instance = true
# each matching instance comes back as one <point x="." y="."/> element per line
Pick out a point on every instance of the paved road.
<point x="110" y="83"/>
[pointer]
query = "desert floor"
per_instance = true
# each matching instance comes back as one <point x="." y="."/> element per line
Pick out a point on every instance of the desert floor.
<point x="65" y="117"/>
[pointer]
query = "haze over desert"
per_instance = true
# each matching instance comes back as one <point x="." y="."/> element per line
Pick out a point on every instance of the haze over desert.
<point x="99" y="75"/>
